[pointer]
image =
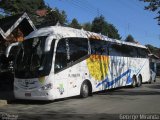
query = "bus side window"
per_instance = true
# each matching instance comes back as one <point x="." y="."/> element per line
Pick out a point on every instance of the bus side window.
<point x="99" y="47"/>
<point x="123" y="50"/>
<point x="61" y="56"/>
<point x="132" y="51"/>
<point x="142" y="53"/>
<point x="115" y="49"/>
<point x="105" y="48"/>
<point x="78" y="48"/>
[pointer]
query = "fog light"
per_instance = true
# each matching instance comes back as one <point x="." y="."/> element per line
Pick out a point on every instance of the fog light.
<point x="47" y="87"/>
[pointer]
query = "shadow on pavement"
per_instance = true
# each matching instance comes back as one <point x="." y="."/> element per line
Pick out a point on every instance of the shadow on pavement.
<point x="6" y="81"/>
<point x="28" y="102"/>
<point x="154" y="86"/>
<point x="6" y="95"/>
<point x="129" y="92"/>
<point x="6" y="86"/>
<point x="39" y="102"/>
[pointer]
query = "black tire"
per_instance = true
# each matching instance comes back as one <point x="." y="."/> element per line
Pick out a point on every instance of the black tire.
<point x="139" y="82"/>
<point x="133" y="85"/>
<point x="84" y="90"/>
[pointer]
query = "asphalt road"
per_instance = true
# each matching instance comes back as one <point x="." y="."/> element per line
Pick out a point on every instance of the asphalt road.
<point x="124" y="103"/>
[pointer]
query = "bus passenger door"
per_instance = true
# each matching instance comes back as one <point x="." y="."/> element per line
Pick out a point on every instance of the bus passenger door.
<point x="60" y="70"/>
<point x="73" y="76"/>
<point x="61" y="86"/>
<point x="69" y="55"/>
<point x="77" y="53"/>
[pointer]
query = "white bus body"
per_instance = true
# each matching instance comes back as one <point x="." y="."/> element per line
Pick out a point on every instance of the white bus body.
<point x="57" y="62"/>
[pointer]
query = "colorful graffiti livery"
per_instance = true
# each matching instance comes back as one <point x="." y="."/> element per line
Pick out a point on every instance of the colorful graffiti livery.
<point x="98" y="66"/>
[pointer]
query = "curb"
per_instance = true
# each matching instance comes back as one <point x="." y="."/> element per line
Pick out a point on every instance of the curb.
<point x="3" y="102"/>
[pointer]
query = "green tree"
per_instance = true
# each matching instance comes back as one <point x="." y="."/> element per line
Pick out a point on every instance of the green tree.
<point x="75" y="24"/>
<point x="87" y="26"/>
<point x="113" y="32"/>
<point x="153" y="5"/>
<point x="19" y="6"/>
<point x="62" y="17"/>
<point x="99" y="25"/>
<point x="52" y="16"/>
<point x="129" y="38"/>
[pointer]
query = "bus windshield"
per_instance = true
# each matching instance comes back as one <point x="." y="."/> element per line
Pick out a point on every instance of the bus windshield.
<point x="32" y="59"/>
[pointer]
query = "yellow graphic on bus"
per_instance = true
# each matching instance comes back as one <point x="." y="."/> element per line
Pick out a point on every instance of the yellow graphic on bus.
<point x="41" y="80"/>
<point x="98" y="66"/>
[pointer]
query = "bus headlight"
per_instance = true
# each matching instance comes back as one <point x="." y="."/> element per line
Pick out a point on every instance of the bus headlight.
<point x="47" y="86"/>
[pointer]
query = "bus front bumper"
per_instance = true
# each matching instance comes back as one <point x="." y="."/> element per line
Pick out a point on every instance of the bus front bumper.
<point x="33" y="95"/>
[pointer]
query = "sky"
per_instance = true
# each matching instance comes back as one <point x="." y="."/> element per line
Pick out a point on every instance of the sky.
<point x="128" y="16"/>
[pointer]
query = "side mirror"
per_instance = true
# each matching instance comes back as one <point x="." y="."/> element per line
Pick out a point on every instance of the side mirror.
<point x="10" y="47"/>
<point x="48" y="43"/>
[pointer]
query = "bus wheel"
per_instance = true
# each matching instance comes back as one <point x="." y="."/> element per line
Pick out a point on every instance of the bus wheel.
<point x="84" y="90"/>
<point x="139" y="82"/>
<point x="133" y="82"/>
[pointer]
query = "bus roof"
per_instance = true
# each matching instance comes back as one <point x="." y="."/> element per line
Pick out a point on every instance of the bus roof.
<point x="62" y="32"/>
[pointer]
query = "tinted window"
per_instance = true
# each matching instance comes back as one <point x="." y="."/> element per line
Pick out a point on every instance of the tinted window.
<point x="32" y="60"/>
<point x="132" y="51"/>
<point x="61" y="55"/>
<point x="152" y="66"/>
<point x="99" y="47"/>
<point x="78" y="48"/>
<point x="123" y="50"/>
<point x="142" y="53"/>
<point x="70" y="50"/>
<point x="116" y="49"/>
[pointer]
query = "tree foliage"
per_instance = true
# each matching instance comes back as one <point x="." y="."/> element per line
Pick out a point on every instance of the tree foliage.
<point x="12" y="7"/>
<point x="75" y="24"/>
<point x="52" y="18"/>
<point x="153" y="5"/>
<point x="87" y="26"/>
<point x="99" y="25"/>
<point x="113" y="32"/>
<point x="129" y="38"/>
<point x="19" y="6"/>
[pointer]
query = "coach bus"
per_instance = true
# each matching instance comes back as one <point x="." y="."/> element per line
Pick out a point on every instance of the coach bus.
<point x="58" y="62"/>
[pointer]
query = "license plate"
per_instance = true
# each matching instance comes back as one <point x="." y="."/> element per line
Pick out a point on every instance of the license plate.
<point x="28" y="94"/>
